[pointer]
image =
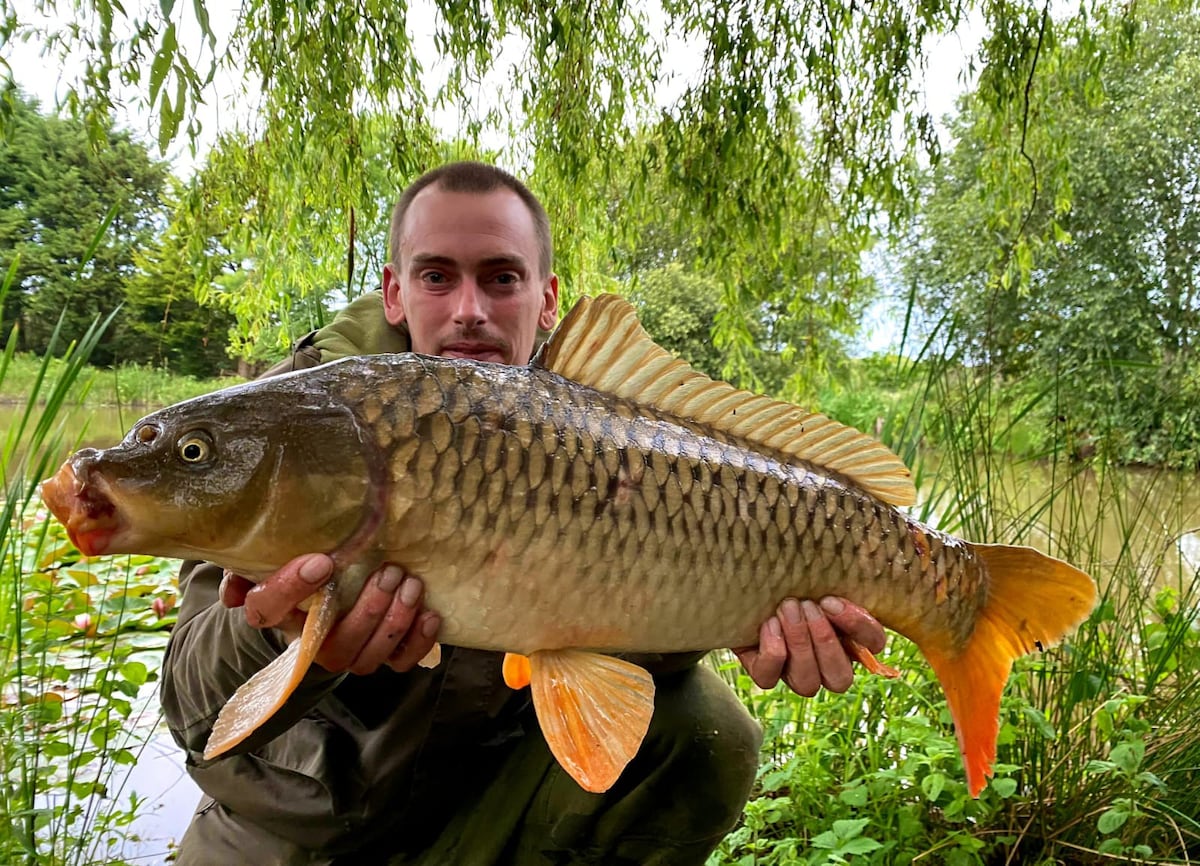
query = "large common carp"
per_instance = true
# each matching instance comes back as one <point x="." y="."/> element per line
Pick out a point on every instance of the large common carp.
<point x="606" y="498"/>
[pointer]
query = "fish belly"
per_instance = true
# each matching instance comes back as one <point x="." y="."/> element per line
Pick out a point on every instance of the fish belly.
<point x="542" y="515"/>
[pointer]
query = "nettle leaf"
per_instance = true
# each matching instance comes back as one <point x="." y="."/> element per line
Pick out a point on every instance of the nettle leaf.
<point x="1128" y="756"/>
<point x="848" y="828"/>
<point x="1004" y="787"/>
<point x="855" y="797"/>
<point x="859" y="846"/>
<point x="1040" y="723"/>
<point x="933" y="785"/>
<point x="1112" y="820"/>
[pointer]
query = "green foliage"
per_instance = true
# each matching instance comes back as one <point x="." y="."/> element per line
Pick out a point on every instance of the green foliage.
<point x="71" y="217"/>
<point x="161" y="323"/>
<point x="1107" y="300"/>
<point x="800" y="132"/>
<point x="678" y="309"/>
<point x="1097" y="745"/>
<point x="68" y="685"/>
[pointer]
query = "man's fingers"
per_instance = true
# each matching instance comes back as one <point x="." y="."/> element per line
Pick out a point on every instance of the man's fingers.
<point x="393" y="628"/>
<point x="233" y="589"/>
<point x="271" y="602"/>
<point x="416" y="645"/>
<point x="354" y="631"/>
<point x="765" y="662"/>
<point x="833" y="665"/>
<point x="801" y="672"/>
<point x="853" y="621"/>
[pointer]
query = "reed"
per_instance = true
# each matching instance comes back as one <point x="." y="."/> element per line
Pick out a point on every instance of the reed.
<point x="69" y="675"/>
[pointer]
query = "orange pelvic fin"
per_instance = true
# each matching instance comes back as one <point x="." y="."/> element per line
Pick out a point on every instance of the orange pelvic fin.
<point x="594" y="711"/>
<point x="516" y="670"/>
<point x="264" y="693"/>
<point x="1033" y="601"/>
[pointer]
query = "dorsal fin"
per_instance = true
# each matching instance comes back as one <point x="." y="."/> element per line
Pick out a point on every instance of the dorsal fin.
<point x="602" y="344"/>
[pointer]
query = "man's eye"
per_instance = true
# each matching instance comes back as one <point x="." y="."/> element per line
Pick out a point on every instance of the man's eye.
<point x="507" y="279"/>
<point x="434" y="277"/>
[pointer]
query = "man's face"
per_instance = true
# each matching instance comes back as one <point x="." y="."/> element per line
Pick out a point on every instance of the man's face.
<point x="467" y="278"/>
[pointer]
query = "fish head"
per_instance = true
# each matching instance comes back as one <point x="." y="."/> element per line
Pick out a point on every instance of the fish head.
<point x="247" y="477"/>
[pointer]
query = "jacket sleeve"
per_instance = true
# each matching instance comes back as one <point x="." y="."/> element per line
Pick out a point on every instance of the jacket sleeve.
<point x="211" y="652"/>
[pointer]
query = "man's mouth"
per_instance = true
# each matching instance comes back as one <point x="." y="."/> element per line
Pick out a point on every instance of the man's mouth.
<point x="474" y="351"/>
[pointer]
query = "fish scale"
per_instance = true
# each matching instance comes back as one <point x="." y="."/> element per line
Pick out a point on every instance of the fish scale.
<point x="618" y="510"/>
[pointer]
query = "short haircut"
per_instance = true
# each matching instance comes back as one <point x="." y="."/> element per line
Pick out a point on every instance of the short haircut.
<point x="481" y="178"/>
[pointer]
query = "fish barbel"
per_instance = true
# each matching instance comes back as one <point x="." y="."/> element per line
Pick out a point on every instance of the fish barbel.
<point x="607" y="498"/>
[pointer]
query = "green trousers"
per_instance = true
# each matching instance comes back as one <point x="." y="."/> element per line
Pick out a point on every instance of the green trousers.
<point x="674" y="803"/>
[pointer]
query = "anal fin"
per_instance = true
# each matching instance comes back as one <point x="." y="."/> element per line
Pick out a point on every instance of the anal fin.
<point x="261" y="696"/>
<point x="866" y="658"/>
<point x="594" y="711"/>
<point x="433" y="658"/>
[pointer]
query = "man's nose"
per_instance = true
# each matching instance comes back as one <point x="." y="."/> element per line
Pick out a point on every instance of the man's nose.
<point x="469" y="309"/>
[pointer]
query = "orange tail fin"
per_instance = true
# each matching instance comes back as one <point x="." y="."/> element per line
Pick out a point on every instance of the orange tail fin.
<point x="1033" y="601"/>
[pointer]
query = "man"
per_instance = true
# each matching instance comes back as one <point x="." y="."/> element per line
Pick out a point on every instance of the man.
<point x="377" y="760"/>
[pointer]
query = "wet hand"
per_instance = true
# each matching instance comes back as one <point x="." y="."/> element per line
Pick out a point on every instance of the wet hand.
<point x="802" y="645"/>
<point x="386" y="626"/>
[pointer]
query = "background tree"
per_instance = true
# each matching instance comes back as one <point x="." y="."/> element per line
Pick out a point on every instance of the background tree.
<point x="63" y="203"/>
<point x="801" y="291"/>
<point x="816" y="104"/>
<point x="1112" y="304"/>
<point x="162" y="324"/>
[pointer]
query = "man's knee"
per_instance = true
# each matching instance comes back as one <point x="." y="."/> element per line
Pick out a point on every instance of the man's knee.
<point x="702" y="739"/>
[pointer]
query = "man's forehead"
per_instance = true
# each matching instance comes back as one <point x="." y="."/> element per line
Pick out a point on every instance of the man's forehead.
<point x="440" y="209"/>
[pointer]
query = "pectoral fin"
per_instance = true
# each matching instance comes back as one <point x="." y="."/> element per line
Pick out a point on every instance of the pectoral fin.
<point x="264" y="693"/>
<point x="594" y="711"/>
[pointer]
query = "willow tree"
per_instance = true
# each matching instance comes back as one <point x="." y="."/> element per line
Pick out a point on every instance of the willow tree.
<point x="806" y="118"/>
<point x="1112" y="300"/>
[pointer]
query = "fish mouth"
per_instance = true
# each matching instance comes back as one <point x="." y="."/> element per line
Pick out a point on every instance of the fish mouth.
<point x="84" y="507"/>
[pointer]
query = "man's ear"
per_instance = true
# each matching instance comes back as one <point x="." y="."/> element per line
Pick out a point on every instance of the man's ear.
<point x="393" y="302"/>
<point x="548" y="318"/>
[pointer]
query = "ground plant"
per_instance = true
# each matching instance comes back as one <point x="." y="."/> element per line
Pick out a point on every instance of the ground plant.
<point x="1097" y="749"/>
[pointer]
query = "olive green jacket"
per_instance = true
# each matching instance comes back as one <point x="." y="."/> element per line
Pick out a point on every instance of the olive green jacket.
<point x="349" y="758"/>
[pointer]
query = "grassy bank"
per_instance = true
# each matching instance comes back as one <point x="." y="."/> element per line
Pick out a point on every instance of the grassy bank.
<point x="132" y="385"/>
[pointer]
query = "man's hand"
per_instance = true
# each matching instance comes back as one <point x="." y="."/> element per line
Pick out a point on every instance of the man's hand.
<point x="386" y="626"/>
<point x="801" y="644"/>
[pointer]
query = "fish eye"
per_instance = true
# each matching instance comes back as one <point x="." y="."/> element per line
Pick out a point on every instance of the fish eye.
<point x="194" y="448"/>
<point x="146" y="434"/>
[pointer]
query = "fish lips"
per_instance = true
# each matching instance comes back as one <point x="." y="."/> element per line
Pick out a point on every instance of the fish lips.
<point x="82" y="503"/>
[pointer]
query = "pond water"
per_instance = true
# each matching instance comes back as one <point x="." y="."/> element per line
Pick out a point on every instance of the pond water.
<point x="170" y="794"/>
<point x="1159" y="516"/>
